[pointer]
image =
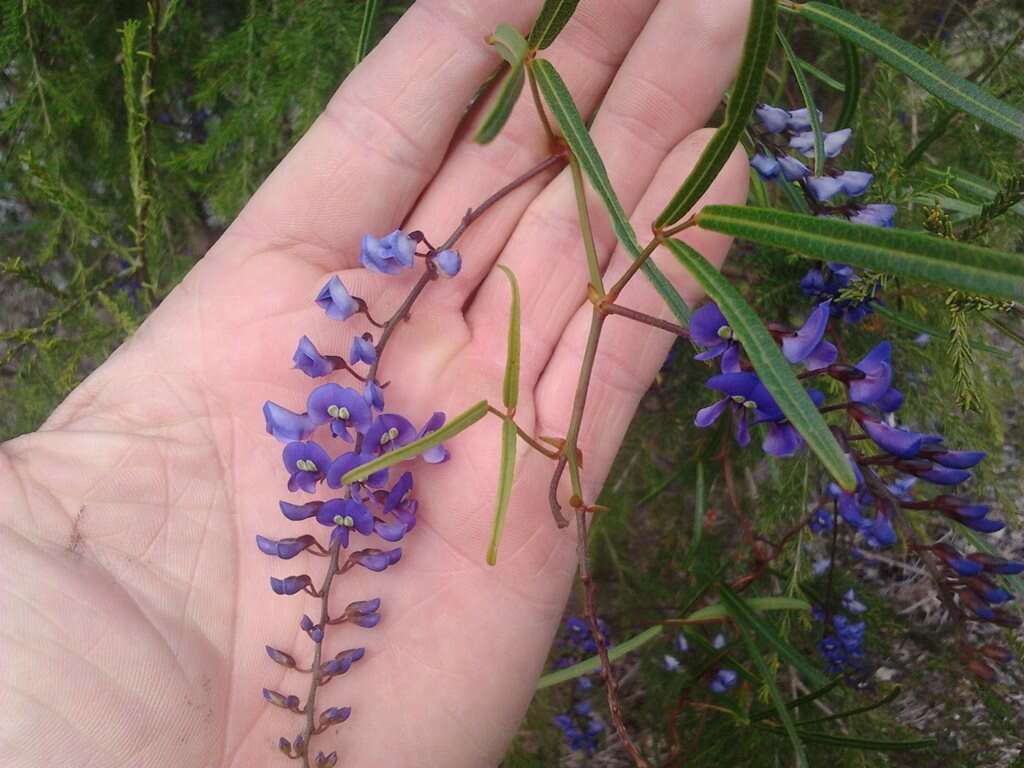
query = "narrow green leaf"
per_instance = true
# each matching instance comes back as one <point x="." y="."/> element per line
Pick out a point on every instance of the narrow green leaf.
<point x="823" y="77"/>
<point x="931" y="75"/>
<point x="756" y="51"/>
<point x="506" y="475"/>
<point x="969" y="184"/>
<point x="956" y="205"/>
<point x="557" y="96"/>
<point x="504" y="102"/>
<point x="460" y="423"/>
<point x="913" y="324"/>
<point x="589" y="665"/>
<point x="370" y="12"/>
<point x="552" y="19"/>
<point x="508" y="41"/>
<point x="849" y="742"/>
<point x="510" y="388"/>
<point x="699" y="507"/>
<point x="799" y="701"/>
<point x="808" y="97"/>
<point x="776" y="374"/>
<point x="768" y="678"/>
<point x="899" y="252"/>
<point x="891" y="696"/>
<point x="851" y="79"/>
<point x="748" y="618"/>
<point x="717" y="611"/>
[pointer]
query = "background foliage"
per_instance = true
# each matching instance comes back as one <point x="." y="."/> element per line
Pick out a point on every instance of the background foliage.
<point x="132" y="132"/>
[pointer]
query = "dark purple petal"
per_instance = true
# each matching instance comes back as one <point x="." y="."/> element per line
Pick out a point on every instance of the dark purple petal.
<point x="958" y="459"/>
<point x="875" y="215"/>
<point x="406" y="513"/>
<point x="326" y="761"/>
<point x="374" y="395"/>
<point x="994" y="564"/>
<point x="983" y="525"/>
<point x="448" y="262"/>
<point x="793" y="169"/>
<point x="375" y="559"/>
<point x="389" y="255"/>
<point x="280" y="700"/>
<point x="362" y="351"/>
<point x="349" y="461"/>
<point x="798" y="346"/>
<point x="298" y="512"/>
<point x="823" y="188"/>
<point x="389" y="431"/>
<point x="398" y="492"/>
<point x="336" y="301"/>
<point x="285" y="549"/>
<point x="286" y="425"/>
<point x="367" y="620"/>
<point x="742" y="431"/>
<point x="315" y="632"/>
<point x="877" y="369"/>
<point x="309" y="360"/>
<point x="334" y="715"/>
<point x="822" y="356"/>
<point x="389" y="531"/>
<point x="708" y="416"/>
<point x="708" y="326"/>
<point x="333" y="402"/>
<point x="772" y="119"/>
<point x="767" y="167"/>
<point x="899" y="442"/>
<point x="782" y="440"/>
<point x="734" y="384"/>
<point x="438" y="454"/>
<point x="855" y="183"/>
<point x="890" y="401"/>
<point x="316" y="458"/>
<point x="360" y="607"/>
<point x="945" y="476"/>
<point x="800" y="119"/>
<point x="290" y="585"/>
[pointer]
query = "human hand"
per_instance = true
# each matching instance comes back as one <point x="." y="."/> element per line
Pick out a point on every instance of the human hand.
<point x="135" y="602"/>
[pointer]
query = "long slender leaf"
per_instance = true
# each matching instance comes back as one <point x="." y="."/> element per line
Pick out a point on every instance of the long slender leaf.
<point x="370" y="13"/>
<point x="510" y="387"/>
<point x="699" y="507"/>
<point x="799" y="701"/>
<point x="593" y="663"/>
<point x="823" y="77"/>
<point x="718" y="611"/>
<point x="747" y="617"/>
<point x="918" y="66"/>
<point x="912" y="324"/>
<point x="849" y="742"/>
<point x="776" y="374"/>
<point x="460" y="423"/>
<point x="552" y="19"/>
<point x="899" y="252"/>
<point x="504" y="102"/>
<point x="969" y="184"/>
<point x="506" y="474"/>
<point x="768" y="678"/>
<point x="574" y="130"/>
<point x="855" y="711"/>
<point x="808" y="97"/>
<point x="756" y="51"/>
<point x="851" y="79"/>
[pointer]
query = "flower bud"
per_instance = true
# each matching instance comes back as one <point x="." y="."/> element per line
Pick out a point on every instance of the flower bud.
<point x="334" y="716"/>
<point x="280" y="700"/>
<point x="326" y="761"/>
<point x="280" y="657"/>
<point x="448" y="262"/>
<point x="290" y="585"/>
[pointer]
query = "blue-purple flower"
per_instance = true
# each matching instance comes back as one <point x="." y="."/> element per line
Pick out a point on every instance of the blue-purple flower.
<point x="286" y="425"/>
<point x="389" y="255"/>
<point x="362" y="351"/>
<point x="448" y="262"/>
<point x="341" y="407"/>
<point x="710" y="329"/>
<point x="336" y="301"/>
<point x="747" y="397"/>
<point x="309" y="360"/>
<point x="306" y="463"/>
<point x="388" y="432"/>
<point x="808" y="345"/>
<point x="344" y="516"/>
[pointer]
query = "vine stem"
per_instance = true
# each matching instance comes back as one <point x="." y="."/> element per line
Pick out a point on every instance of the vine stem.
<point x="590" y="610"/>
<point x="523" y="434"/>
<point x="400" y="314"/>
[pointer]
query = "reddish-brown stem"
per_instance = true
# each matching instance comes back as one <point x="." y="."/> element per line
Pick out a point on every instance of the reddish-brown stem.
<point x="550" y="453"/>
<point x="611" y="683"/>
<point x="641" y="317"/>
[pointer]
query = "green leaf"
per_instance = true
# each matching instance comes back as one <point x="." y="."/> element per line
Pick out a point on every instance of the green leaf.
<point x="459" y="424"/>
<point x="899" y="252"/>
<point x="851" y="79"/>
<point x="557" y="96"/>
<point x="823" y="77"/>
<point x="510" y="388"/>
<point x="589" y="665"/>
<point x="912" y="324"/>
<point x="506" y="474"/>
<point x="849" y="742"/>
<point x="808" y="97"/>
<point x="748" y="618"/>
<point x="508" y="41"/>
<point x="768" y="678"/>
<point x="552" y="19"/>
<point x="854" y="712"/>
<point x="370" y="12"/>
<point x="776" y="374"/>
<point x="699" y="507"/>
<point x="504" y="102"/>
<point x="969" y="184"/>
<point x="756" y="51"/>
<point x="918" y="66"/>
<point x="799" y="701"/>
<point x="718" y="611"/>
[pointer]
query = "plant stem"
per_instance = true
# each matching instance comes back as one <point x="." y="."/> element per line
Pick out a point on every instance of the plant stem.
<point x="632" y="269"/>
<point x="526" y="437"/>
<point x="641" y="317"/>
<point x="593" y="265"/>
<point x="535" y="92"/>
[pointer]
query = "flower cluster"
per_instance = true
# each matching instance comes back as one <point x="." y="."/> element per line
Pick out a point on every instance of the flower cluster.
<point x="842" y="645"/>
<point x="580" y="726"/>
<point x="377" y="506"/>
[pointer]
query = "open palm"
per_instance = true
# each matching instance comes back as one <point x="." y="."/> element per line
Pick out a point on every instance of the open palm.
<point x="135" y="603"/>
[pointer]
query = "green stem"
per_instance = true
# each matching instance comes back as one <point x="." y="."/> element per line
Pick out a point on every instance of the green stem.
<point x="594" y="266"/>
<point x="580" y="402"/>
<point x="633" y="268"/>
<point x="526" y="437"/>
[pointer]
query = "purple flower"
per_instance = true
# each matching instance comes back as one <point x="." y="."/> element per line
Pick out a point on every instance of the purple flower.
<point x="306" y="463"/>
<point x="388" y="432"/>
<point x="333" y="716"/>
<point x="286" y="425"/>
<point x="723" y="681"/>
<point x="315" y="632"/>
<point x="957" y="459"/>
<point x="899" y="442"/>
<point x="800" y="119"/>
<point x="821" y="522"/>
<point x="767" y="167"/>
<point x="280" y="657"/>
<point x="438" y="453"/>
<point x="285" y="549"/>
<point x="336" y="301"/>
<point x="297" y="512"/>
<point x="876" y="366"/>
<point x="341" y="663"/>
<point x="952" y="558"/>
<point x="855" y="183"/>
<point x="834" y="142"/>
<point x="824" y="188"/>
<point x="994" y="564"/>
<point x="710" y="329"/>
<point x="376" y="559"/>
<point x="851" y="604"/>
<point x="448" y="262"/>
<point x="793" y="169"/>
<point x="290" y="585"/>
<point x="309" y="360"/>
<point x="773" y="119"/>
<point x="398" y="492"/>
<point x="944" y="476"/>
<point x="390" y="531"/>
<point x="783" y="439"/>
<point x="389" y="255"/>
<point x="364" y="613"/>
<point x="875" y="215"/>
<point x="340" y="406"/>
<point x="374" y="395"/>
<point x="362" y="351"/>
<point x="345" y="515"/>
<point x="747" y="396"/>
<point x="346" y="462"/>
<point x="807" y="345"/>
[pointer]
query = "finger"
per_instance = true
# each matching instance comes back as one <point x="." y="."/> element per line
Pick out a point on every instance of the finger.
<point x="366" y="159"/>
<point x="630" y="353"/>
<point x="649" y="108"/>
<point x="587" y="54"/>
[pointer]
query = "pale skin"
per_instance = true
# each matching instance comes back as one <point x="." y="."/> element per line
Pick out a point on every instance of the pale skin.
<point x="135" y="604"/>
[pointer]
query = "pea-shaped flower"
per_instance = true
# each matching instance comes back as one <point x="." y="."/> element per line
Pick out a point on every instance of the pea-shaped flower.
<point x="345" y="515"/>
<point x="341" y="407"/>
<point x="389" y="255"/>
<point x="306" y="463"/>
